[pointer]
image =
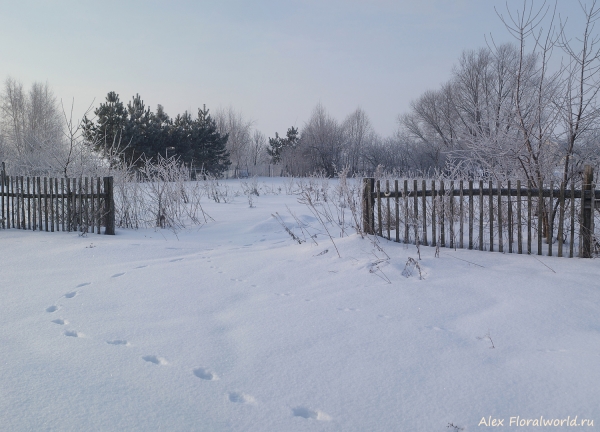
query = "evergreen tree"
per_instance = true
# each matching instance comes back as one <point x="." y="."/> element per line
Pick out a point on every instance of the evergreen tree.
<point x="278" y="145"/>
<point x="210" y="147"/>
<point x="107" y="131"/>
<point x="136" y="131"/>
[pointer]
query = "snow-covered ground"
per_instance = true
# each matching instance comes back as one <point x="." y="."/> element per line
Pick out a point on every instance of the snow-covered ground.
<point x="235" y="327"/>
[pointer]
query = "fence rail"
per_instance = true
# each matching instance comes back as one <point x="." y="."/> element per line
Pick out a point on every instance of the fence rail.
<point x="57" y="204"/>
<point x="473" y="216"/>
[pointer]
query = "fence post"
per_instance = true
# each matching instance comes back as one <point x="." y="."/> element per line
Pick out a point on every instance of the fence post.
<point x="368" y="205"/>
<point x="587" y="209"/>
<point x="109" y="206"/>
<point x="2" y="196"/>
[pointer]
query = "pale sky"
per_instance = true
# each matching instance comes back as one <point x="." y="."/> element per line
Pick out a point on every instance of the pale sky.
<point x="273" y="60"/>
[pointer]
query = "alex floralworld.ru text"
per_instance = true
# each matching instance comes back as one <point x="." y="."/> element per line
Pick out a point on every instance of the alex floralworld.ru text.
<point x="541" y="421"/>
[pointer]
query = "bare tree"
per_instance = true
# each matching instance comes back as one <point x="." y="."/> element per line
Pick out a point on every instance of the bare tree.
<point x="358" y="135"/>
<point x="257" y="150"/>
<point x="578" y="103"/>
<point x="232" y="123"/>
<point x="322" y="140"/>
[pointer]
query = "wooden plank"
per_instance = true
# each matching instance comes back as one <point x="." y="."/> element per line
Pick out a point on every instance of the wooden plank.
<point x="550" y="219"/>
<point x="27" y="203"/>
<point x="405" y="211"/>
<point x="110" y="210"/>
<point x="34" y="207"/>
<point x="480" y="215"/>
<point x="424" y="211"/>
<point x="415" y="211"/>
<point x="92" y="206"/>
<point x="572" y="238"/>
<point x="529" y="204"/>
<point x="39" y="187"/>
<point x="587" y="212"/>
<point x="471" y="214"/>
<point x="500" y="233"/>
<point x="56" y="208"/>
<point x="87" y="214"/>
<point x="387" y="198"/>
<point x="451" y="211"/>
<point x="99" y="218"/>
<point x="491" y="212"/>
<point x="462" y="216"/>
<point x="509" y="215"/>
<point x="69" y="212"/>
<point x="364" y="204"/>
<point x="23" y="217"/>
<point x="62" y="203"/>
<point x="18" y="203"/>
<point x="21" y="202"/>
<point x="442" y="215"/>
<point x="561" y="218"/>
<point x="46" y="203"/>
<point x="434" y="240"/>
<point x="2" y="220"/>
<point x="378" y="199"/>
<point x="80" y="205"/>
<point x="519" y="220"/>
<point x="540" y="233"/>
<point x="51" y="204"/>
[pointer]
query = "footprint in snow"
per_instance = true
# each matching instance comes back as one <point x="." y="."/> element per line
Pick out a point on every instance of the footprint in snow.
<point x="308" y="413"/>
<point x="118" y="342"/>
<point x="348" y="309"/>
<point x="83" y="284"/>
<point x="205" y="374"/>
<point x="73" y="333"/>
<point x="60" y="321"/>
<point x="116" y="275"/>
<point x="71" y="294"/>
<point x="156" y="360"/>
<point x="283" y="294"/>
<point x="177" y="259"/>
<point x="51" y="309"/>
<point x="142" y="266"/>
<point x="242" y="398"/>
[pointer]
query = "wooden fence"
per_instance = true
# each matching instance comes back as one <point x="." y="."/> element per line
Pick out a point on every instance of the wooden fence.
<point x="474" y="216"/>
<point x="57" y="204"/>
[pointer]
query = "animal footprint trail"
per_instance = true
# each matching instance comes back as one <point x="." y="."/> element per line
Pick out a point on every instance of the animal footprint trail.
<point x="51" y="309"/>
<point x="155" y="359"/>
<point x="73" y="333"/>
<point x="83" y="284"/>
<point x="71" y="294"/>
<point x="60" y="321"/>
<point x="118" y="342"/>
<point x="116" y="275"/>
<point x="241" y="398"/>
<point x="205" y="374"/>
<point x="177" y="259"/>
<point x="308" y="413"/>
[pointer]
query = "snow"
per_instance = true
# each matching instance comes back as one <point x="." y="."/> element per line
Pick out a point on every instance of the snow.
<point x="233" y="326"/>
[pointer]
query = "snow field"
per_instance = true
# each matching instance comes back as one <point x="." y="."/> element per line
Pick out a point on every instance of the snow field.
<point x="234" y="326"/>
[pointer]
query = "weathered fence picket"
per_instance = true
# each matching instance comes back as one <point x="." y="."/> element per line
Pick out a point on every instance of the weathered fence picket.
<point x="33" y="203"/>
<point x="559" y="215"/>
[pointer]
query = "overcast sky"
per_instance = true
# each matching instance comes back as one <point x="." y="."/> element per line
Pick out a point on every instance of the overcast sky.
<point x="273" y="60"/>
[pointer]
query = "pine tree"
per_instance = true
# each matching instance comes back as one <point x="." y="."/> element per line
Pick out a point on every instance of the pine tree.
<point x="278" y="145"/>
<point x="209" y="149"/>
<point x="107" y="131"/>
